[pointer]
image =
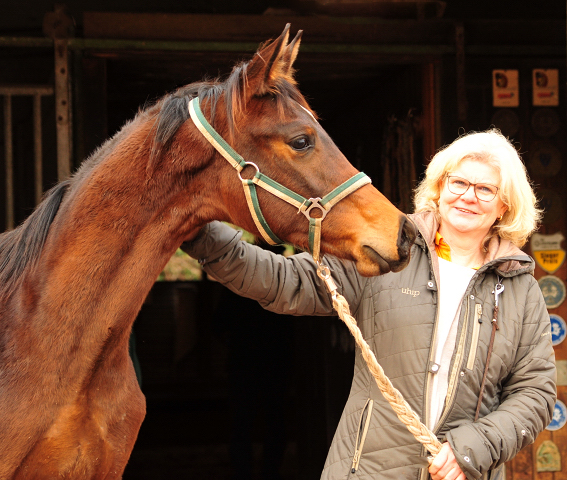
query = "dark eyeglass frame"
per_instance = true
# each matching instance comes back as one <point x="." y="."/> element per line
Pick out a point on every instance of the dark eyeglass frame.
<point x="474" y="185"/>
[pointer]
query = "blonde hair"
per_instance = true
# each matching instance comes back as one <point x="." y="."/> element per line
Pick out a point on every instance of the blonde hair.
<point x="522" y="216"/>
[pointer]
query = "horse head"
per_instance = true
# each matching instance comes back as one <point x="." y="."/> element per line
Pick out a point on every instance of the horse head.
<point x="264" y="117"/>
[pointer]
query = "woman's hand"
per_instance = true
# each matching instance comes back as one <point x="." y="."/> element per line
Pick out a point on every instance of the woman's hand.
<point x="445" y="466"/>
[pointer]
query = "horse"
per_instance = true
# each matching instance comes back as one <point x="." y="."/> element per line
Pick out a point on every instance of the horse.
<point x="75" y="273"/>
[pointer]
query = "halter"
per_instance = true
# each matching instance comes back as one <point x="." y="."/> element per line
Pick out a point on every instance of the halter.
<point x="302" y="204"/>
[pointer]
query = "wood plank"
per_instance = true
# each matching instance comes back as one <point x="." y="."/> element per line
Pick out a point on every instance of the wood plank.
<point x="521" y="467"/>
<point x="242" y="28"/>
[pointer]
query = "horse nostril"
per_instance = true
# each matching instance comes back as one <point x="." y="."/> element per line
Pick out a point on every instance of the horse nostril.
<point x="406" y="236"/>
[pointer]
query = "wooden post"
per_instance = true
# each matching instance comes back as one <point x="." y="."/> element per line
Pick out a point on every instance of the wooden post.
<point x="59" y="26"/>
<point x="9" y="159"/>
<point x="462" y="105"/>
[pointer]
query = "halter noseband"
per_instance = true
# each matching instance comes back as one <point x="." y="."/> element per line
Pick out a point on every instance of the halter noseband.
<point x="302" y="204"/>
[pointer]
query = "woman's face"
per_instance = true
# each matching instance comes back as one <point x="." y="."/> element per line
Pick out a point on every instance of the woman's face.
<point x="465" y="213"/>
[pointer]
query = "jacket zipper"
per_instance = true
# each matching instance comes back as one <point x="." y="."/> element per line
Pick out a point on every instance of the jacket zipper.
<point x="363" y="425"/>
<point x="433" y="341"/>
<point x="455" y="371"/>
<point x="476" y="331"/>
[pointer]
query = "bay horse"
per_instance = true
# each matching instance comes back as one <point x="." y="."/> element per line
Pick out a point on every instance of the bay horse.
<point x="75" y="273"/>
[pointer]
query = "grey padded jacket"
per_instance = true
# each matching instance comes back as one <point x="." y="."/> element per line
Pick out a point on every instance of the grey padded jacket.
<point x="396" y="313"/>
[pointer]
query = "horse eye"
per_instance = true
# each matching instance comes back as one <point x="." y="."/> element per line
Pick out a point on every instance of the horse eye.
<point x="300" y="143"/>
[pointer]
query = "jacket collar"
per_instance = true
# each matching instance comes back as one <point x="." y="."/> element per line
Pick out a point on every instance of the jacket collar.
<point x="506" y="256"/>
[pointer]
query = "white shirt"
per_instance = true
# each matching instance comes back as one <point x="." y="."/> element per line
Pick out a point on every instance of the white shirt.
<point x="454" y="280"/>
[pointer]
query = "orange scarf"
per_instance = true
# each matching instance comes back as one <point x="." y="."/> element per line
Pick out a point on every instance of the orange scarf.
<point x="443" y="249"/>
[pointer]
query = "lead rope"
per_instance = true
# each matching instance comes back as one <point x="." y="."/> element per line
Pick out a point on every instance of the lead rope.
<point x="403" y="410"/>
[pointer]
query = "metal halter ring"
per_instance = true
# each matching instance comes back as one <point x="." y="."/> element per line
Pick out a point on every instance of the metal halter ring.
<point x="315" y="204"/>
<point x="252" y="164"/>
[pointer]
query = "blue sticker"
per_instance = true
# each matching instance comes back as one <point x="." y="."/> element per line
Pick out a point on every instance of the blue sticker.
<point x="559" y="416"/>
<point x="558" y="329"/>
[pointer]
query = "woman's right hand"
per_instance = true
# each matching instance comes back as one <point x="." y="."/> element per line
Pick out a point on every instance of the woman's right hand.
<point x="445" y="466"/>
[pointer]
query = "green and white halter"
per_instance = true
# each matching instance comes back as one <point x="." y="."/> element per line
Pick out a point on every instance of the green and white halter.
<point x="302" y="204"/>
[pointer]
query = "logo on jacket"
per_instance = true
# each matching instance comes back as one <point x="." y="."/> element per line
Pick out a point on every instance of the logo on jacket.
<point x="413" y="293"/>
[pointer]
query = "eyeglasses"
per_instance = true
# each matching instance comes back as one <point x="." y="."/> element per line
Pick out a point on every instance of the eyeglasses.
<point x="483" y="191"/>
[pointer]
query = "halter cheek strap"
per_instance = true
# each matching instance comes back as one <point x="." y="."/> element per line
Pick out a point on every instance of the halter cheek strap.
<point x="302" y="204"/>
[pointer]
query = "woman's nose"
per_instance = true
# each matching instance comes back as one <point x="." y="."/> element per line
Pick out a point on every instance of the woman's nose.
<point x="470" y="194"/>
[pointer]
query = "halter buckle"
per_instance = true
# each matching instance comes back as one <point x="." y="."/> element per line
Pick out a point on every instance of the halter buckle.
<point x="315" y="204"/>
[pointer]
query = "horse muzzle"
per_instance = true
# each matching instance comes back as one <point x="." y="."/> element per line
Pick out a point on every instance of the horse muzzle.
<point x="393" y="263"/>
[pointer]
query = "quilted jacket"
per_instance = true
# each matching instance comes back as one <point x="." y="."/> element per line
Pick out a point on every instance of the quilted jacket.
<point x="396" y="313"/>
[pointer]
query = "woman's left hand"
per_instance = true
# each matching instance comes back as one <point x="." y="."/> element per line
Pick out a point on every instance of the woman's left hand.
<point x="445" y="466"/>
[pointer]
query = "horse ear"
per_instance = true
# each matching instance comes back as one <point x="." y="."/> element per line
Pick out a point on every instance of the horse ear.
<point x="270" y="63"/>
<point x="290" y="53"/>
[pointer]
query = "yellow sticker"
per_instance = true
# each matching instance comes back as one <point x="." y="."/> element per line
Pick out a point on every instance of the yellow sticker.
<point x="547" y="251"/>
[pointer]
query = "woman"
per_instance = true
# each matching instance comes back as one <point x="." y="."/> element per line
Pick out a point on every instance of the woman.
<point x="486" y="388"/>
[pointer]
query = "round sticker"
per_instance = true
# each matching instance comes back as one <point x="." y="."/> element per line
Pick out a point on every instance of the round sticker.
<point x="507" y="121"/>
<point x="559" y="416"/>
<point x="553" y="290"/>
<point x="545" y="122"/>
<point x="558" y="329"/>
<point x="545" y="160"/>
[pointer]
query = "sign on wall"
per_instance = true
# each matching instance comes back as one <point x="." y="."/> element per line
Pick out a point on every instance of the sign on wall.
<point x="558" y="329"/>
<point x="559" y="416"/>
<point x="553" y="290"/>
<point x="545" y="87"/>
<point x="547" y="251"/>
<point x="505" y="89"/>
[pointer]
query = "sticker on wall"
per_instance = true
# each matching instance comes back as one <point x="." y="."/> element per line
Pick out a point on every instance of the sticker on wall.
<point x="506" y="121"/>
<point x="552" y="205"/>
<point x="553" y="290"/>
<point x="544" y="160"/>
<point x="545" y="87"/>
<point x="548" y="458"/>
<point x="505" y="91"/>
<point x="558" y="329"/>
<point x="545" y="122"/>
<point x="561" y="372"/>
<point x="547" y="251"/>
<point x="559" y="416"/>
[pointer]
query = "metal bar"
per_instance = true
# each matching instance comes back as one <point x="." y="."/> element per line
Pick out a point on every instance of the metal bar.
<point x="42" y="42"/>
<point x="38" y="150"/>
<point x="203" y="46"/>
<point x="62" y="109"/>
<point x="213" y="46"/>
<point x="26" y="90"/>
<point x="9" y="162"/>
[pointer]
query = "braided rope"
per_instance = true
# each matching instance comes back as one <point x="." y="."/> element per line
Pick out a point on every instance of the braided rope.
<point x="402" y="409"/>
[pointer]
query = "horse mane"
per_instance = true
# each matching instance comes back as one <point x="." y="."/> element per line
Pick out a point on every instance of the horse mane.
<point x="22" y="246"/>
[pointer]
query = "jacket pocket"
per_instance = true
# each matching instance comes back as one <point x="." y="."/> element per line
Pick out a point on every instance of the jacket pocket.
<point x="363" y="424"/>
<point x="476" y="331"/>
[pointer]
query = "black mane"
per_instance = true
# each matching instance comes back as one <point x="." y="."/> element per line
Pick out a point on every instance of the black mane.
<point x="22" y="246"/>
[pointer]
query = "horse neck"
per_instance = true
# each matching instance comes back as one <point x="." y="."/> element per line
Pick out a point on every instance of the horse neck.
<point x="116" y="230"/>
